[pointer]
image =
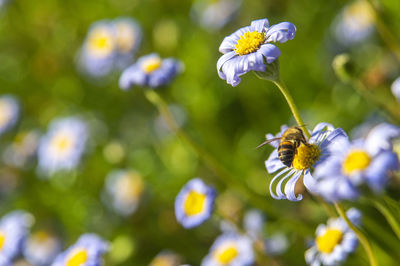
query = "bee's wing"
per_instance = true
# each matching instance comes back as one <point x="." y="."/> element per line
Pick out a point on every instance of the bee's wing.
<point x="267" y="141"/>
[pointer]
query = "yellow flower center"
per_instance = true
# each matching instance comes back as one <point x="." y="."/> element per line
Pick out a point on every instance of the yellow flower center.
<point x="249" y="42"/>
<point x="306" y="156"/>
<point x="5" y="112"/>
<point x="225" y="254"/>
<point x="194" y="203"/>
<point x="151" y="64"/>
<point x="328" y="241"/>
<point x="360" y="13"/>
<point x="100" y="42"/>
<point x="78" y="258"/>
<point x="61" y="143"/>
<point x="2" y="240"/>
<point x="125" y="38"/>
<point x="356" y="160"/>
<point x="161" y="261"/>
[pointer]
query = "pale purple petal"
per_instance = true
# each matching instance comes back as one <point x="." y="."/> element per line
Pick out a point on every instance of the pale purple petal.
<point x="281" y="32"/>
<point x="259" y="25"/>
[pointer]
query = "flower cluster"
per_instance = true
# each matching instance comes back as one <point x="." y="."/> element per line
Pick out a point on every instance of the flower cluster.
<point x="109" y="45"/>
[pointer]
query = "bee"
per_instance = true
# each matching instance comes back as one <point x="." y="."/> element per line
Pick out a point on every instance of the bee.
<point x="289" y="142"/>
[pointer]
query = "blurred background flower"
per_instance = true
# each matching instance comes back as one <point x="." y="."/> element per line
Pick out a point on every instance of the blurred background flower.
<point x="41" y="248"/>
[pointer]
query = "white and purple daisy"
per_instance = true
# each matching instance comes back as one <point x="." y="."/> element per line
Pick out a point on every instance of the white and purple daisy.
<point x="194" y="203"/>
<point x="9" y="112"/>
<point x="88" y="250"/>
<point x="250" y="48"/>
<point x="306" y="158"/>
<point x="213" y="15"/>
<point x="41" y="248"/>
<point x="23" y="148"/>
<point x="351" y="164"/>
<point x="124" y="188"/>
<point x="14" y="228"/>
<point x="150" y="71"/>
<point x="230" y="249"/>
<point x="334" y="241"/>
<point x="61" y="148"/>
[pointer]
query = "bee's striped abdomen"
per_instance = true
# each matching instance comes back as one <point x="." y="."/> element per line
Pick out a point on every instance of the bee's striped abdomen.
<point x="286" y="152"/>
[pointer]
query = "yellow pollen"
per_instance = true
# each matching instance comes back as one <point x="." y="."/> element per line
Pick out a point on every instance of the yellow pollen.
<point x="327" y="242"/>
<point x="151" y="64"/>
<point x="226" y="254"/>
<point x="306" y="156"/>
<point x="194" y="203"/>
<point x="61" y="143"/>
<point x="2" y="240"/>
<point x="249" y="42"/>
<point x="78" y="259"/>
<point x="356" y="160"/>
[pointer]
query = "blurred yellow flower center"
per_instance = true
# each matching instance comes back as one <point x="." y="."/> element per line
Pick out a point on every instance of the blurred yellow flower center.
<point x="41" y="236"/>
<point x="194" y="203"/>
<point x="78" y="258"/>
<point x="151" y="64"/>
<point x="5" y="113"/>
<point x="100" y="42"/>
<point x="61" y="143"/>
<point x="225" y="254"/>
<point x="306" y="156"/>
<point x="2" y="240"/>
<point x="328" y="241"/>
<point x="249" y="42"/>
<point x="161" y="261"/>
<point x="359" y="14"/>
<point x="125" y="37"/>
<point x="356" y="160"/>
<point x="129" y="187"/>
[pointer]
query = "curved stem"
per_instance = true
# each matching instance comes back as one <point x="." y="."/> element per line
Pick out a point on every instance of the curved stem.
<point x="363" y="239"/>
<point x="388" y="216"/>
<point x="282" y="87"/>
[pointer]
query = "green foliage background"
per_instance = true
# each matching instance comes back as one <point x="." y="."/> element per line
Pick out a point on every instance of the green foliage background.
<point x="39" y="41"/>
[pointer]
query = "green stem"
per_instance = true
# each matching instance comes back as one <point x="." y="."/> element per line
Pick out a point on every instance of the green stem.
<point x="363" y="239"/>
<point x="388" y="216"/>
<point x="282" y="87"/>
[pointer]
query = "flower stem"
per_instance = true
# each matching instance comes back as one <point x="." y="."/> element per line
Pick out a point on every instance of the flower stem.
<point x="282" y="87"/>
<point x="392" y="221"/>
<point x="363" y="239"/>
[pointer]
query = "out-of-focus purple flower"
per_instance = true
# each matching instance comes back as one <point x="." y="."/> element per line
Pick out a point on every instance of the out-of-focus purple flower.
<point x="61" y="148"/>
<point x="166" y="258"/>
<point x="150" y="71"/>
<point x="250" y="48"/>
<point x="22" y="149"/>
<point x="9" y="112"/>
<point x="41" y="248"/>
<point x="124" y="188"/>
<point x="355" y="23"/>
<point x="306" y="158"/>
<point x="213" y="15"/>
<point x="194" y="203"/>
<point x="351" y="164"/>
<point x="396" y="89"/>
<point x="334" y="241"/>
<point x="230" y="249"/>
<point x="88" y="250"/>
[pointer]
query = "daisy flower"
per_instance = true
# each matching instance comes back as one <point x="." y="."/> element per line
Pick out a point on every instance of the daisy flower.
<point x="253" y="223"/>
<point x="22" y="149"/>
<point x="9" y="112"/>
<point x="230" y="249"/>
<point x="334" y="241"/>
<point x="306" y="158"/>
<point x="61" y="148"/>
<point x="86" y="251"/>
<point x="166" y="258"/>
<point x="194" y="203"/>
<point x="250" y="48"/>
<point x="355" y="23"/>
<point x="213" y="15"/>
<point x="351" y="164"/>
<point x="41" y="248"/>
<point x="150" y="71"/>
<point x="13" y="232"/>
<point x="125" y="189"/>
